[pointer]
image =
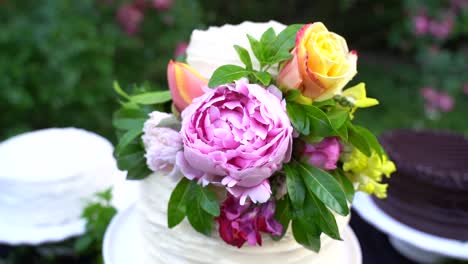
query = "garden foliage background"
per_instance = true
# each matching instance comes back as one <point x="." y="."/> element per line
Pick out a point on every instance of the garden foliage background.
<point x="59" y="58"/>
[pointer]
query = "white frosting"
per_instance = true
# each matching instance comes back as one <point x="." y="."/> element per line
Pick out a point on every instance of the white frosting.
<point x="212" y="48"/>
<point x="183" y="244"/>
<point x="47" y="176"/>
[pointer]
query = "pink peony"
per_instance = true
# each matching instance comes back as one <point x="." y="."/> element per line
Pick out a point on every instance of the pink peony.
<point x="130" y="17"/>
<point x="324" y="154"/>
<point x="161" y="143"/>
<point x="243" y="223"/>
<point x="236" y="135"/>
<point x="162" y="5"/>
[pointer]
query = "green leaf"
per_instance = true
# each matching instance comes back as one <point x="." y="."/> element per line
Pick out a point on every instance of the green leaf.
<point x="309" y="119"/>
<point x="200" y="220"/>
<point x="358" y="140"/>
<point x="345" y="184"/>
<point x="152" y="98"/>
<point x="227" y="74"/>
<point x="328" y="102"/>
<point x="295" y="185"/>
<point x="286" y="39"/>
<point x="371" y="139"/>
<point x="325" y="187"/>
<point x="256" y="48"/>
<point x="209" y="203"/>
<point x="128" y="138"/>
<point x="244" y="56"/>
<point x="177" y="207"/>
<point x="316" y="210"/>
<point x="83" y="243"/>
<point x="119" y="91"/>
<point x="338" y="118"/>
<point x="129" y="118"/>
<point x="105" y="195"/>
<point x="263" y="77"/>
<point x="132" y="159"/>
<point x="343" y="132"/>
<point x="283" y="215"/>
<point x="306" y="234"/>
<point x="268" y="37"/>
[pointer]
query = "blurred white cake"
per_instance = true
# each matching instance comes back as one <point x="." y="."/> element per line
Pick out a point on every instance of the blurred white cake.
<point x="48" y="176"/>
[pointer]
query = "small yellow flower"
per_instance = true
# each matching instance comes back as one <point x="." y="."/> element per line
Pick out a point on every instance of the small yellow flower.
<point x="357" y="96"/>
<point x="368" y="171"/>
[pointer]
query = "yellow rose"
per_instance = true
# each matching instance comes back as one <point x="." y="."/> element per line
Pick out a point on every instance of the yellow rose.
<point x="321" y="65"/>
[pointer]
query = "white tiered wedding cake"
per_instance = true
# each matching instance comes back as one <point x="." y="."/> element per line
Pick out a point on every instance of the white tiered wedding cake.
<point x="183" y="245"/>
<point x="259" y="160"/>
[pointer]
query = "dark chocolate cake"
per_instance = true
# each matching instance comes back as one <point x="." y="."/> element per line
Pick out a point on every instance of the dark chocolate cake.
<point x="429" y="191"/>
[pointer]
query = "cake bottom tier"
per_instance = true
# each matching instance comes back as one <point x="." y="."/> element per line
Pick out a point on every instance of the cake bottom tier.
<point x="427" y="207"/>
<point x="183" y="244"/>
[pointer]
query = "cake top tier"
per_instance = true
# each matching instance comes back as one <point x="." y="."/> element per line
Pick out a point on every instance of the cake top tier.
<point x="439" y="157"/>
<point x="51" y="154"/>
<point x="212" y="48"/>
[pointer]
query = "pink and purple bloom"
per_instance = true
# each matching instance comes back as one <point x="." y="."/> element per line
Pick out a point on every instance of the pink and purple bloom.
<point x="236" y="135"/>
<point x="130" y="17"/>
<point x="243" y="223"/>
<point x="324" y="154"/>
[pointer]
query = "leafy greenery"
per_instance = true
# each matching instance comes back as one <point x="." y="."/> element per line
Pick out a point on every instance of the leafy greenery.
<point x="129" y="121"/>
<point x="270" y="50"/>
<point x="59" y="58"/>
<point x="195" y="202"/>
<point x="98" y="215"/>
<point x="310" y="192"/>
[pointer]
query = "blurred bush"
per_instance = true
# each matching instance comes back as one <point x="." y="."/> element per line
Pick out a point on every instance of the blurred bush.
<point x="58" y="58"/>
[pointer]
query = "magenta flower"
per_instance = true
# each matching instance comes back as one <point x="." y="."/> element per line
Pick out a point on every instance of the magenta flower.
<point x="445" y="102"/>
<point x="236" y="135"/>
<point x="324" y="154"/>
<point x="162" y="5"/>
<point x="130" y="17"/>
<point x="441" y="29"/>
<point x="243" y="223"/>
<point x="465" y="88"/>
<point x="180" y="49"/>
<point x="420" y="25"/>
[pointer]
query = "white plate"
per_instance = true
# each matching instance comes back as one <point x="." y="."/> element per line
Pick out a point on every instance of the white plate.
<point x="368" y="210"/>
<point x="116" y="248"/>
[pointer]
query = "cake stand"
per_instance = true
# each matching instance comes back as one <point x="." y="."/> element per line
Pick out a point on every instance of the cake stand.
<point x="124" y="228"/>
<point x="412" y="243"/>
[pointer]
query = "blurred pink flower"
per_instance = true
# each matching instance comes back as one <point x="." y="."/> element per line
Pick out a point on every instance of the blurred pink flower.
<point x="130" y="17"/>
<point x="445" y="102"/>
<point x="420" y="25"/>
<point x="437" y="101"/>
<point x="429" y="94"/>
<point x="465" y="88"/>
<point x="441" y="29"/>
<point x="180" y="49"/>
<point x="163" y="5"/>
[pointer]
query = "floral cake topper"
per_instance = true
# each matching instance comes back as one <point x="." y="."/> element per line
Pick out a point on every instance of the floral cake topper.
<point x="259" y="150"/>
